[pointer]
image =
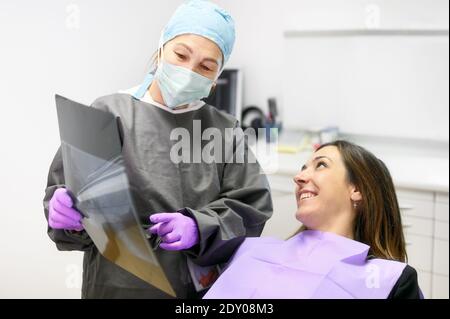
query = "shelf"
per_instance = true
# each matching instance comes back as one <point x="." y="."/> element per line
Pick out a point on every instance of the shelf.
<point x="365" y="32"/>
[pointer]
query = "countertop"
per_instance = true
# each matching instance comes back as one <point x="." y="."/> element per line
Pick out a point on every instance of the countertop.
<point x="425" y="170"/>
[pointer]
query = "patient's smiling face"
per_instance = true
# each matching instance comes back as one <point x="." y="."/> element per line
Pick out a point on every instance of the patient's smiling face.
<point x="324" y="194"/>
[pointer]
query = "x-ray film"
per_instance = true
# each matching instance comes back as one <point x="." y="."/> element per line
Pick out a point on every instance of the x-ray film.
<point x="95" y="175"/>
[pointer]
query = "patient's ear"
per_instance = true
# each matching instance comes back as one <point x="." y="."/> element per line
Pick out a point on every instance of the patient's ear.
<point x="355" y="194"/>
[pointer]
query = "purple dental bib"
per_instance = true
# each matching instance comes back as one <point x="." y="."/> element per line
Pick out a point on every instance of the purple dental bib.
<point x="311" y="265"/>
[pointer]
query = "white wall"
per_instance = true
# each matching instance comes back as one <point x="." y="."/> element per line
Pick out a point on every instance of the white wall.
<point x="43" y="52"/>
<point x="399" y="82"/>
<point x="282" y="68"/>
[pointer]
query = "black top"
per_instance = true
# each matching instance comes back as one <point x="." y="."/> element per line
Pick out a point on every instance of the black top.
<point x="407" y="286"/>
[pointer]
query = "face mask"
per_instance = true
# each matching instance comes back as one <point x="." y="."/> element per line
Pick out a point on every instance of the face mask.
<point x="181" y="86"/>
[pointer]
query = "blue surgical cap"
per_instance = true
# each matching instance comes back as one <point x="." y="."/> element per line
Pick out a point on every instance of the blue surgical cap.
<point x="203" y="18"/>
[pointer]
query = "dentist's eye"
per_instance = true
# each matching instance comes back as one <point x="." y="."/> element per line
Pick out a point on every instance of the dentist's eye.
<point x="180" y="56"/>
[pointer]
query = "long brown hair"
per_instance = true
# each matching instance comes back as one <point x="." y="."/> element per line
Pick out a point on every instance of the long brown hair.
<point x="378" y="222"/>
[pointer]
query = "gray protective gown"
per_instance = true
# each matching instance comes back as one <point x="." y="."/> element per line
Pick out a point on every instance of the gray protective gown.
<point x="229" y="201"/>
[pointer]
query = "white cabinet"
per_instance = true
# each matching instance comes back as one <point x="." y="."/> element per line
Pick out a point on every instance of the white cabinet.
<point x="440" y="287"/>
<point x="441" y="247"/>
<point x="442" y="207"/>
<point x="425" y="217"/>
<point x="415" y="203"/>
<point x="417" y="225"/>
<point x="440" y="262"/>
<point x="441" y="230"/>
<point x="417" y="218"/>
<point x="420" y="253"/>
<point x="425" y="283"/>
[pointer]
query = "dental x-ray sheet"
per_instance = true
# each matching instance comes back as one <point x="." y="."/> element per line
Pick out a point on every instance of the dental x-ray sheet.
<point x="95" y="175"/>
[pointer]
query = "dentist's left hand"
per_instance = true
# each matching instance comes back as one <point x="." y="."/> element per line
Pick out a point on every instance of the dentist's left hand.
<point x="178" y="232"/>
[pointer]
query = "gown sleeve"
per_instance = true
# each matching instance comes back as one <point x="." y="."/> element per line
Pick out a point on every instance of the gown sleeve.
<point x="407" y="286"/>
<point x="241" y="210"/>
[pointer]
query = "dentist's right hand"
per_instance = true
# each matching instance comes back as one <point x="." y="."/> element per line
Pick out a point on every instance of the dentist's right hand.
<point x="61" y="214"/>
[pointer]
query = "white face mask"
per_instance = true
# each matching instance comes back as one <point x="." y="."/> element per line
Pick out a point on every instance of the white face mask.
<point x="181" y="86"/>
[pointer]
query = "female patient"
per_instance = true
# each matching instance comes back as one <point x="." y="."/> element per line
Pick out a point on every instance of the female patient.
<point x="351" y="244"/>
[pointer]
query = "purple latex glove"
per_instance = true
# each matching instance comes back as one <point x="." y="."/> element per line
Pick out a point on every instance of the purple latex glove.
<point x="177" y="232"/>
<point x="61" y="215"/>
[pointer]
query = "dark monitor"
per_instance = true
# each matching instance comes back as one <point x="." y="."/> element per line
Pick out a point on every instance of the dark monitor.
<point x="228" y="93"/>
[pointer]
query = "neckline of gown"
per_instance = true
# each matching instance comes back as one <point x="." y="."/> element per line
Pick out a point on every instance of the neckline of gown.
<point x="147" y="99"/>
